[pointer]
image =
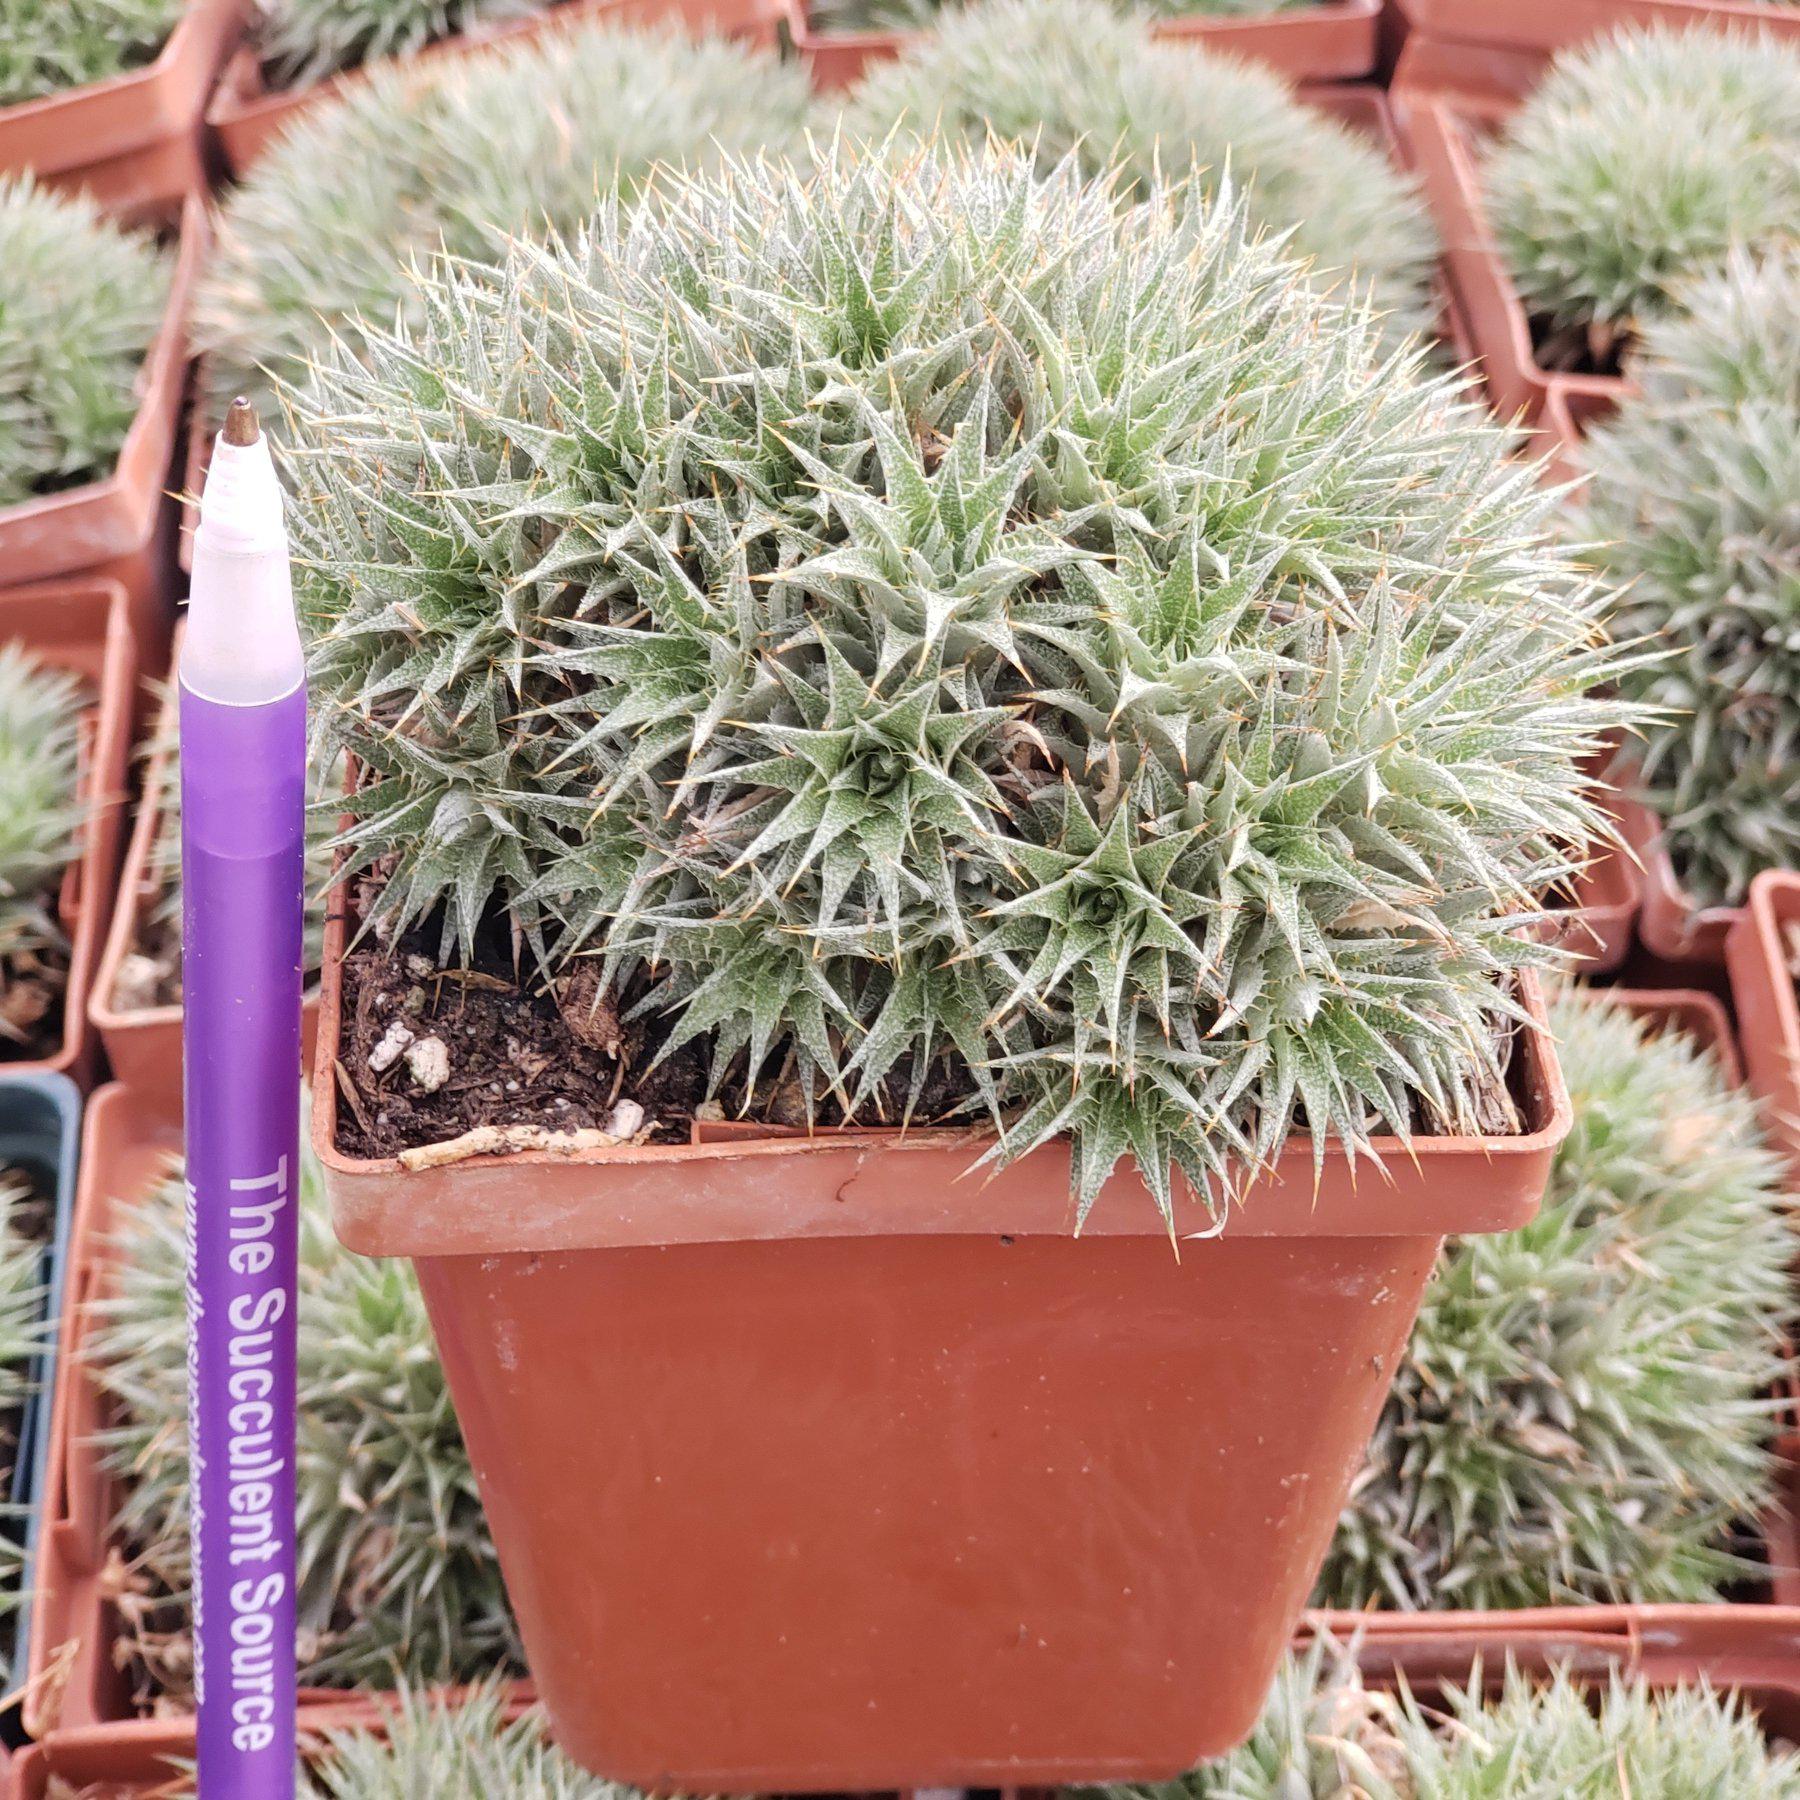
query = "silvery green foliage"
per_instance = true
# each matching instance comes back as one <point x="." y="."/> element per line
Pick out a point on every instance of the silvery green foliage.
<point x="1638" y="163"/>
<point x="1692" y="503"/>
<point x="398" y="1579"/>
<point x="301" y="40"/>
<point x="41" y="813"/>
<point x="1583" y="1411"/>
<point x="918" y="614"/>
<point x="48" y="46"/>
<point x="1078" y="77"/>
<point x="463" y="154"/>
<point x="80" y="301"/>
<point x="1325" y="1735"/>
<point x="22" y="1299"/>
<point x="921" y="15"/>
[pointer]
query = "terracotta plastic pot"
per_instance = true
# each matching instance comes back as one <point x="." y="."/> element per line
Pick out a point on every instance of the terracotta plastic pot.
<point x="814" y="1465"/>
<point x="246" y="117"/>
<point x="1447" y="99"/>
<point x="1762" y="987"/>
<point x="134" y="141"/>
<point x="83" y="626"/>
<point x="1334" y="40"/>
<point x="143" y="1044"/>
<point x="122" y="526"/>
<point x="1672" y="925"/>
<point x="1597" y="925"/>
<point x="1556" y="24"/>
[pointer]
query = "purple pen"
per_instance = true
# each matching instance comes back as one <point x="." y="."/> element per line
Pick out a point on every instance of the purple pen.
<point x="243" y="768"/>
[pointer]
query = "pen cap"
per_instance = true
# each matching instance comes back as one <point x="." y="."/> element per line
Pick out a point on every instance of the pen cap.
<point x="242" y="646"/>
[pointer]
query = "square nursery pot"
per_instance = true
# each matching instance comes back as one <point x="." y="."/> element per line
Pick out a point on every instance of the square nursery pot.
<point x="1556" y="24"/>
<point x="1450" y="100"/>
<point x="143" y="1043"/>
<point x="246" y="116"/>
<point x="82" y="626"/>
<point x="815" y="1464"/>
<point x="40" y="1134"/>
<point x="122" y="526"/>
<point x="136" y="141"/>
<point x="73" y="1681"/>
<point x="1332" y="40"/>
<point x="1672" y="925"/>
<point x="1607" y="896"/>
<point x="1762" y="951"/>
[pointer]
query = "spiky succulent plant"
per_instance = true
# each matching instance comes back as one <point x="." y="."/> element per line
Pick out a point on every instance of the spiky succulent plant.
<point x="150" y="975"/>
<point x="397" y="1574"/>
<point x="22" y="1298"/>
<point x="1080" y="77"/>
<point x="1691" y="504"/>
<point x="1637" y="164"/>
<point x="1326" y="1734"/>
<point x="1583" y="1411"/>
<point x="922" y="15"/>
<point x="301" y="40"/>
<point x="325" y="226"/>
<point x="41" y="820"/>
<point x="914" y="619"/>
<point x="47" y="46"/>
<point x="80" y="301"/>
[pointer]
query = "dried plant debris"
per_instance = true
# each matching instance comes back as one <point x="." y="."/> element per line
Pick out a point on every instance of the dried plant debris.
<point x="977" y="633"/>
<point x="42" y="818"/>
<point x="80" y="301"/>
<point x="50" y="46"/>
<point x="461" y="156"/>
<point x="1584" y="1412"/>
<point x="1636" y="166"/>
<point x="1690" y="509"/>
<point x="398" y="1578"/>
<point x="1082" y="78"/>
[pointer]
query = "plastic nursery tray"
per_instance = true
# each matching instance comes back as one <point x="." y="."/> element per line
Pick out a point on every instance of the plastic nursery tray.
<point x="1333" y="40"/>
<point x="110" y="527"/>
<point x="40" y="1134"/>
<point x="1448" y="98"/>
<point x="246" y="117"/>
<point x="82" y="626"/>
<point x="1556" y="24"/>
<point x="134" y="141"/>
<point x="1762" y="988"/>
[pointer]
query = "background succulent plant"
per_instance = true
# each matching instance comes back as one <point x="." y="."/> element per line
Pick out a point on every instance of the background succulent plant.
<point x="41" y="820"/>
<point x="1583" y="1411"/>
<point x="1326" y="1734"/>
<point x="398" y="1579"/>
<point x="463" y="154"/>
<point x="914" y="616"/>
<point x="1691" y="505"/>
<point x="921" y="15"/>
<point x="302" y="40"/>
<point x="47" y="46"/>
<point x="1637" y="164"/>
<point x="80" y="301"/>
<point x="21" y="1336"/>
<point x="1080" y="77"/>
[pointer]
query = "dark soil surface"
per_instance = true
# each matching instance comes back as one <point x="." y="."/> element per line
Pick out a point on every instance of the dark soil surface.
<point x="1591" y="349"/>
<point x="32" y="985"/>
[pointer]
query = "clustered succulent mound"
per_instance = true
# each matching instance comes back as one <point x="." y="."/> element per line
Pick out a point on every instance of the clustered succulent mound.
<point x="398" y="1579"/>
<point x="1583" y="1412"/>
<point x="462" y="155"/>
<point x="22" y="1298"/>
<point x="921" y="15"/>
<point x="1639" y="163"/>
<point x="41" y="820"/>
<point x="80" y="301"/>
<point x="150" y="975"/>
<point x="1326" y="1735"/>
<point x="1076" y="77"/>
<point x="914" y="615"/>
<point x="47" y="46"/>
<point x="1691" y="507"/>
<point x="301" y="40"/>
